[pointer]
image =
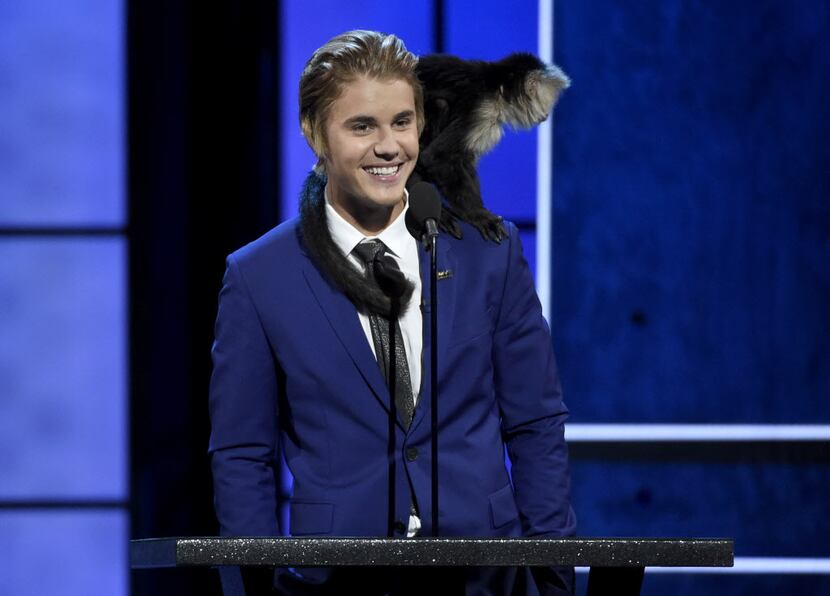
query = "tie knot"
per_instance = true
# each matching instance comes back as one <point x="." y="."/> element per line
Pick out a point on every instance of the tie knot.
<point x="369" y="250"/>
<point x="382" y="268"/>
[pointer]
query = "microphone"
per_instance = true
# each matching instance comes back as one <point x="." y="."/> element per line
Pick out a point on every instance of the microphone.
<point x="424" y="211"/>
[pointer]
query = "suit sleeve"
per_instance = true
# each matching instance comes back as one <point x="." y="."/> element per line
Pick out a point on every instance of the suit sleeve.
<point x="243" y="412"/>
<point x="530" y="400"/>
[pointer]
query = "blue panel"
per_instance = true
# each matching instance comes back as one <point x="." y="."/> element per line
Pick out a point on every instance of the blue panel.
<point x="306" y="26"/>
<point x="66" y="553"/>
<point x="770" y="509"/>
<point x="63" y="367"/>
<point x="740" y="585"/>
<point x="687" y="584"/>
<point x="691" y="180"/>
<point x="489" y="31"/>
<point x="508" y="176"/>
<point x="61" y="113"/>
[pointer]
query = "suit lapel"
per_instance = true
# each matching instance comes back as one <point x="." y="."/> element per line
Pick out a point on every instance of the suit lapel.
<point x="342" y="316"/>
<point x="446" y="311"/>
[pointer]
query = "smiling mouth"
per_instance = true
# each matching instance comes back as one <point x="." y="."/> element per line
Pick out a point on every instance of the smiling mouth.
<point x="383" y="172"/>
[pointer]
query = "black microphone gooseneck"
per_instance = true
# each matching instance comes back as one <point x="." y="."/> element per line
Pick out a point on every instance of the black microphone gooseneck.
<point x="422" y="222"/>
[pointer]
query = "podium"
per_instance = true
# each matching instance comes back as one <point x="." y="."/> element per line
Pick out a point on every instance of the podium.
<point x="616" y="565"/>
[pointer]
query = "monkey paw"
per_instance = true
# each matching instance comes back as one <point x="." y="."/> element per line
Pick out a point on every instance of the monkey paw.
<point x="449" y="224"/>
<point x="491" y="226"/>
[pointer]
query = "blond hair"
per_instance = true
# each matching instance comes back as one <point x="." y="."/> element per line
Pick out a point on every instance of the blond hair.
<point x="341" y="60"/>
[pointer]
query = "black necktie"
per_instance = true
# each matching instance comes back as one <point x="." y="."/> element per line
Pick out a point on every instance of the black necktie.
<point x="386" y="332"/>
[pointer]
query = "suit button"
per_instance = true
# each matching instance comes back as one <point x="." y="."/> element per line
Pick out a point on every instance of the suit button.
<point x="412" y="453"/>
<point x="400" y="528"/>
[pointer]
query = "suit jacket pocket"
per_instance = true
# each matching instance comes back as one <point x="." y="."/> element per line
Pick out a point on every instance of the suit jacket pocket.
<point x="503" y="508"/>
<point x="311" y="518"/>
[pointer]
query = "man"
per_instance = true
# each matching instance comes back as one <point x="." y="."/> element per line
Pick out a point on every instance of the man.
<point x="301" y="361"/>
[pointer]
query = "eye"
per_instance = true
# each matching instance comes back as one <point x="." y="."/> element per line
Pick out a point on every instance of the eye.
<point x="361" y="128"/>
<point x="403" y="122"/>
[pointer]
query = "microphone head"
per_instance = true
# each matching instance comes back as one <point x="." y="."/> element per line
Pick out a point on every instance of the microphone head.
<point x="424" y="204"/>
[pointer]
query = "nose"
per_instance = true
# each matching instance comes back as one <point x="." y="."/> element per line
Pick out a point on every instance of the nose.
<point x="387" y="147"/>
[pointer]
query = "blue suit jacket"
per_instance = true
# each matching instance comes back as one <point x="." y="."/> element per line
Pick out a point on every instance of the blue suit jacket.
<point x="292" y="366"/>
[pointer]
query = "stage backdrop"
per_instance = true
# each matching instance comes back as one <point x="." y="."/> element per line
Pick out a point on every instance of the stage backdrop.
<point x="692" y="272"/>
<point x="690" y="276"/>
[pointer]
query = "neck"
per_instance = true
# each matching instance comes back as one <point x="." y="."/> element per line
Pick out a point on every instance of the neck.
<point x="368" y="220"/>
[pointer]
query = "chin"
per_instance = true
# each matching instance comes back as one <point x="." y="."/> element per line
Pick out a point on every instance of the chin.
<point x="388" y="198"/>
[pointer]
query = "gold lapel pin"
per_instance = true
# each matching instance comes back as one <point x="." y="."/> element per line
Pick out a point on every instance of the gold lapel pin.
<point x="445" y="274"/>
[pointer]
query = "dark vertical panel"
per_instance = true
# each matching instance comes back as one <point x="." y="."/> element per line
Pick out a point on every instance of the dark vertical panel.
<point x="203" y="180"/>
<point x="438" y="27"/>
<point x="163" y="453"/>
<point x="693" y="227"/>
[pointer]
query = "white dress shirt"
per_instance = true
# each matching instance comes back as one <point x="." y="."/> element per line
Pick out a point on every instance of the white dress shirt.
<point x="402" y="247"/>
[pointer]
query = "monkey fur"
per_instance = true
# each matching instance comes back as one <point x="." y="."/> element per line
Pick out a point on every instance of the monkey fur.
<point x="467" y="104"/>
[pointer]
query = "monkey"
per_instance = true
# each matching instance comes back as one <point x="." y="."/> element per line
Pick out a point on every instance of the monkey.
<point x="467" y="104"/>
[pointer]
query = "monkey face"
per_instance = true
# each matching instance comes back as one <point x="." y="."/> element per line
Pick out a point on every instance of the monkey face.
<point x="372" y="139"/>
<point x="529" y="89"/>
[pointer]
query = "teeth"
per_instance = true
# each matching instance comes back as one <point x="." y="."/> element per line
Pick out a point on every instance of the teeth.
<point x="386" y="171"/>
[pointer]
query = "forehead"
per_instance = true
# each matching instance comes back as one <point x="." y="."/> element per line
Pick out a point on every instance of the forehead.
<point x="365" y="96"/>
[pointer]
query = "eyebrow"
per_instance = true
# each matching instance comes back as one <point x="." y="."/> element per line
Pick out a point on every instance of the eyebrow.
<point x="362" y="119"/>
<point x="359" y="120"/>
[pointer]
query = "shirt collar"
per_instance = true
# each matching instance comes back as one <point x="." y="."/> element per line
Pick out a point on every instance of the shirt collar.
<point x="395" y="236"/>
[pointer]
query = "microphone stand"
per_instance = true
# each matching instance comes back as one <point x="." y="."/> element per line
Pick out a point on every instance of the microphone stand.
<point x="424" y="225"/>
<point x="433" y="298"/>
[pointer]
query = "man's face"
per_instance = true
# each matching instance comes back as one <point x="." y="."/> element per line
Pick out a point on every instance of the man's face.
<point x="372" y="137"/>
